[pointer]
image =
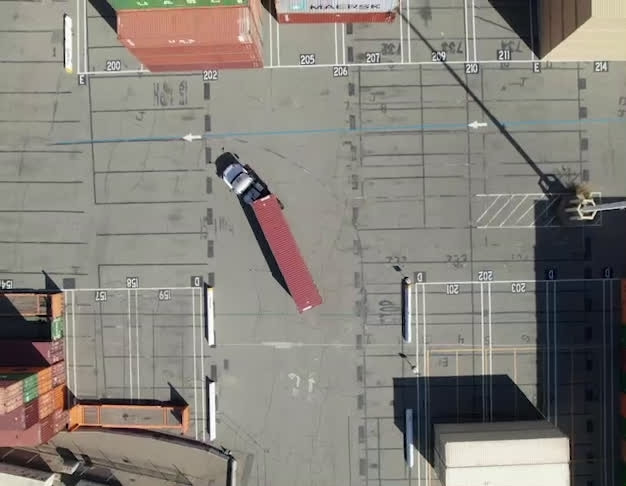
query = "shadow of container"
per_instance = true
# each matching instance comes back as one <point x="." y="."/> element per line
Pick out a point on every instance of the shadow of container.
<point x="105" y="11"/>
<point x="264" y="245"/>
<point x="457" y="399"/>
<point x="578" y="334"/>
<point x="522" y="18"/>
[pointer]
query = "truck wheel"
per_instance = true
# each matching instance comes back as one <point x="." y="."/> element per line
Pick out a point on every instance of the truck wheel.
<point x="280" y="203"/>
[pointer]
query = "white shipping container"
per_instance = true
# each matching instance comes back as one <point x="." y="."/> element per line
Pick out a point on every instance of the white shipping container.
<point x="335" y="6"/>
<point x="11" y="475"/>
<point x="500" y="444"/>
<point x="525" y="475"/>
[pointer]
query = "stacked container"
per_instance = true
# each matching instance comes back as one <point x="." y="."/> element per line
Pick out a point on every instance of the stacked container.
<point x="32" y="370"/>
<point x="336" y="11"/>
<point x="179" y="36"/>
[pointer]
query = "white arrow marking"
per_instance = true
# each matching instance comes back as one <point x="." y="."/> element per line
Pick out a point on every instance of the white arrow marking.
<point x="189" y="137"/>
<point x="293" y="376"/>
<point x="311" y="383"/>
<point x="476" y="124"/>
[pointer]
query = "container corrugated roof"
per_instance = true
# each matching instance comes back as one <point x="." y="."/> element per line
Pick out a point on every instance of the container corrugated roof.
<point x="336" y="6"/>
<point x="285" y="250"/>
<point x="152" y="4"/>
<point x="523" y="475"/>
<point x="500" y="443"/>
<point x="190" y="27"/>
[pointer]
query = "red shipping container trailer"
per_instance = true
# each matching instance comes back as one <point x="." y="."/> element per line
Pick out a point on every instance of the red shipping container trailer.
<point x="21" y="418"/>
<point x="285" y="250"/>
<point x="336" y="11"/>
<point x="27" y="353"/>
<point x="58" y="373"/>
<point x="38" y="434"/>
<point x="203" y="34"/>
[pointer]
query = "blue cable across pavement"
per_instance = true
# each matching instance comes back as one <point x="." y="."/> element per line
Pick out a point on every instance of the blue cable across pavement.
<point x="344" y="130"/>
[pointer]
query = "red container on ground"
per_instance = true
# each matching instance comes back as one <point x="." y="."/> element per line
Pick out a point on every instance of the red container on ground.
<point x="190" y="27"/>
<point x="193" y="38"/>
<point x="38" y="434"/>
<point x="21" y="418"/>
<point x="339" y="18"/>
<point x="26" y="353"/>
<point x="58" y="373"/>
<point x="285" y="250"/>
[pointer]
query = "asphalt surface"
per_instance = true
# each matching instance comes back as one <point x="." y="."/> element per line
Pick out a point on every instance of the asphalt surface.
<point x="318" y="398"/>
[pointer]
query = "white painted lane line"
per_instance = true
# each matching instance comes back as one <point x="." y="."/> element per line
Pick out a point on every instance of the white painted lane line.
<point x="490" y="206"/>
<point x="195" y="364"/>
<point x="74" y="347"/>
<point x="78" y="22"/>
<point x="547" y="354"/>
<point x="408" y="28"/>
<point x="401" y="23"/>
<point x="85" y="40"/>
<point x="612" y="386"/>
<point x="336" y="46"/>
<point x="417" y="329"/>
<point x="474" y="28"/>
<point x="125" y="289"/>
<point x="130" y="346"/>
<point x="556" y="356"/>
<point x="137" y="345"/>
<point x="203" y="376"/>
<point x="467" y="45"/>
<point x="426" y="391"/>
<point x="604" y="400"/>
<point x="532" y="30"/>
<point x="482" y="347"/>
<point x="278" y="43"/>
<point x="269" y="21"/>
<point x="514" y="209"/>
<point x="343" y="43"/>
<point x="545" y="210"/>
<point x="490" y="355"/>
<point x="66" y="324"/>
<point x="499" y="211"/>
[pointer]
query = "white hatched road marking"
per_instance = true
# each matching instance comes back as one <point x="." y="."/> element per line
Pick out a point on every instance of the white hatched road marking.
<point x="523" y="212"/>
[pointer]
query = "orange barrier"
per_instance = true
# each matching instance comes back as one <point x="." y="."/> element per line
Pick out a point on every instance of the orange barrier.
<point x="148" y="417"/>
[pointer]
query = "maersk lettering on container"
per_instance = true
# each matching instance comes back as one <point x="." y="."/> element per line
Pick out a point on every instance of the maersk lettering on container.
<point x="319" y="6"/>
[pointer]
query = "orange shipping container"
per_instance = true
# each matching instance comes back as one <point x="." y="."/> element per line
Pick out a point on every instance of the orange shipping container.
<point x="58" y="373"/>
<point x="59" y="397"/>
<point x="11" y="395"/>
<point x="46" y="404"/>
<point x="58" y="305"/>
<point x="44" y="378"/>
<point x="190" y="27"/>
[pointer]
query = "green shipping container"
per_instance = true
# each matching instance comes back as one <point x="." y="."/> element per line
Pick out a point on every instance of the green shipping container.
<point x="31" y="388"/>
<point x="57" y="329"/>
<point x="145" y="4"/>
